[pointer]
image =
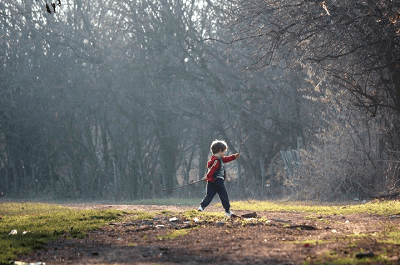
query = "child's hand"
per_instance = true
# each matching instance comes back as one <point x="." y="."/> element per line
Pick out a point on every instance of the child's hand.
<point x="237" y="155"/>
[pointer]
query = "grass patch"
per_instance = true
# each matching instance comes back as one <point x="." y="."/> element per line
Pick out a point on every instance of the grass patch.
<point x="174" y="234"/>
<point x="169" y="201"/>
<point x="373" y="207"/>
<point x="391" y="238"/>
<point x="205" y="216"/>
<point x="38" y="223"/>
<point x="140" y="215"/>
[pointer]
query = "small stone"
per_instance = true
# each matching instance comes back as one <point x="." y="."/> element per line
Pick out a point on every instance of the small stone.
<point x="13" y="232"/>
<point x="368" y="254"/>
<point x="173" y="219"/>
<point x="250" y="215"/>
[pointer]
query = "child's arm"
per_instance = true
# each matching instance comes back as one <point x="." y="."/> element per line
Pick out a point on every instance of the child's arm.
<point x="230" y="158"/>
<point x="212" y="169"/>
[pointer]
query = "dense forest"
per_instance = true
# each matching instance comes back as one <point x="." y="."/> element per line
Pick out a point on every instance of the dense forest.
<point x="118" y="100"/>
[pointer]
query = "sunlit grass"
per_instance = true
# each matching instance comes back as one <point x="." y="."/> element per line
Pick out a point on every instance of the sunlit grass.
<point x="36" y="224"/>
<point x="203" y="216"/>
<point x="392" y="238"/>
<point x="373" y="207"/>
<point x="174" y="234"/>
<point x="168" y="201"/>
<point x="141" y="215"/>
<point x="13" y="208"/>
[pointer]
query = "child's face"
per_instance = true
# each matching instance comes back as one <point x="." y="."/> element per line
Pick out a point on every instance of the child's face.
<point x="221" y="153"/>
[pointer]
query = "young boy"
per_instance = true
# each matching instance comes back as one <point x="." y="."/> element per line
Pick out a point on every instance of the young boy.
<point x="215" y="176"/>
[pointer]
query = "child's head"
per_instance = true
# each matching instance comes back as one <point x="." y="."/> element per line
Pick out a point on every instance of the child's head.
<point x="218" y="146"/>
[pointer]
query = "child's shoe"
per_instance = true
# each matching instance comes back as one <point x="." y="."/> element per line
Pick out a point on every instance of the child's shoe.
<point x="200" y="209"/>
<point x="228" y="214"/>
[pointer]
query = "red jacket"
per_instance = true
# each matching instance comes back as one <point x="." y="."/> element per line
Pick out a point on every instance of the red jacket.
<point x="213" y="165"/>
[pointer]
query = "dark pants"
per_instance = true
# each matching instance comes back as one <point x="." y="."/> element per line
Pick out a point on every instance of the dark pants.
<point x="217" y="186"/>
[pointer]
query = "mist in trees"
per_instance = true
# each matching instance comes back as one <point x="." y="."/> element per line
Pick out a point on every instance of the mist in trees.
<point x="107" y="100"/>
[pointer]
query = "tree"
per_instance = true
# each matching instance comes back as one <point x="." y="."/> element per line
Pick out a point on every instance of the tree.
<point x="352" y="45"/>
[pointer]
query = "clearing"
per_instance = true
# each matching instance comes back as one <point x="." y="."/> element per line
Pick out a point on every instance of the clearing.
<point x="282" y="233"/>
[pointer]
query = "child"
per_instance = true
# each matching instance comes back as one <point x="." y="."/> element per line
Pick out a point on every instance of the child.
<point x="215" y="176"/>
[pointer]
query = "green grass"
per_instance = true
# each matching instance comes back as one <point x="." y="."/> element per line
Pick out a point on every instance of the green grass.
<point x="374" y="207"/>
<point x="392" y="237"/>
<point x="43" y="223"/>
<point x="174" y="234"/>
<point x="140" y="215"/>
<point x="168" y="201"/>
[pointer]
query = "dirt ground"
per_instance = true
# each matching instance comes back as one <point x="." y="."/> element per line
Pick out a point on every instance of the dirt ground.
<point x="286" y="238"/>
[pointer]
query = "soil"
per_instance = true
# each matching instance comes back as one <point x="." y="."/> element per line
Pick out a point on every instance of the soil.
<point x="280" y="240"/>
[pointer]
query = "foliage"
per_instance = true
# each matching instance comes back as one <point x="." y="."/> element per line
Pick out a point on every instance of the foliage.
<point x="351" y="49"/>
<point x="89" y="112"/>
<point x="119" y="101"/>
<point x="345" y="161"/>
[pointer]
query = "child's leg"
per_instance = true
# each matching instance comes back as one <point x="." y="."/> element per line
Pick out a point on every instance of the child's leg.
<point x="223" y="194"/>
<point x="209" y="195"/>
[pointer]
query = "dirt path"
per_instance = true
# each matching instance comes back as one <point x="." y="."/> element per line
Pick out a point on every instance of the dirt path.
<point x="272" y="238"/>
